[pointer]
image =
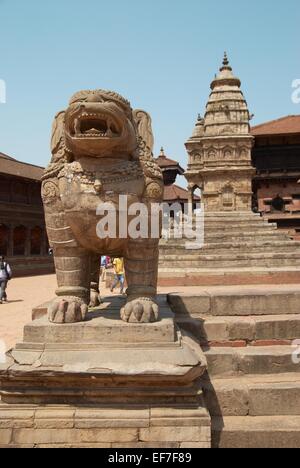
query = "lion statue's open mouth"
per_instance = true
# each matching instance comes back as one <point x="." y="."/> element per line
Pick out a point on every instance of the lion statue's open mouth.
<point x="95" y="125"/>
<point x="99" y="123"/>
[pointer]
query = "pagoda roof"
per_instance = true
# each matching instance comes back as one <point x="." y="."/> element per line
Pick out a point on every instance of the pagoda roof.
<point x="165" y="163"/>
<point x="174" y="193"/>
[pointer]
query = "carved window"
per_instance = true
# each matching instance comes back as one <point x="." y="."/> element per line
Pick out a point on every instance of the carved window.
<point x="278" y="203"/>
<point x="4" y="239"/>
<point x="228" y="197"/>
<point x="36" y="238"/>
<point x="19" y="240"/>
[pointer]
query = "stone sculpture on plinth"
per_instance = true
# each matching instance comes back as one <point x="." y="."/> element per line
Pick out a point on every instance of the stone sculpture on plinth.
<point x="101" y="149"/>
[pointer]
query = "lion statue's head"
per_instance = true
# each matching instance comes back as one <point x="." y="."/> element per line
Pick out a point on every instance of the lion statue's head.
<point x="101" y="124"/>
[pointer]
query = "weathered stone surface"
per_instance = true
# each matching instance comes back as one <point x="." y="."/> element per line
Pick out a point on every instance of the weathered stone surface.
<point x="250" y="301"/>
<point x="250" y="360"/>
<point x="278" y="398"/>
<point x="226" y="397"/>
<point x="108" y="418"/>
<point x="74" y="436"/>
<point x="175" y="434"/>
<point x="256" y="432"/>
<point x="5" y="436"/>
<point x="195" y="445"/>
<point x="103" y="327"/>
<point x="275" y="329"/>
<point x="149" y="445"/>
<point x="124" y="427"/>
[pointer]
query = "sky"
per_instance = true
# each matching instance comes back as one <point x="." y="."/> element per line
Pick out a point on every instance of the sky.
<point x="161" y="55"/>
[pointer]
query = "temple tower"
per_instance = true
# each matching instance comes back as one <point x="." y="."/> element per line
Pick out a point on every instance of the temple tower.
<point x="220" y="148"/>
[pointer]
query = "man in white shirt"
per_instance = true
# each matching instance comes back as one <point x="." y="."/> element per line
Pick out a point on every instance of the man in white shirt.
<point x="5" y="276"/>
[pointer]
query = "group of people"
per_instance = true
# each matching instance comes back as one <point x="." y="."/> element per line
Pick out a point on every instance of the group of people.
<point x="118" y="265"/>
<point x="5" y="277"/>
<point x="106" y="262"/>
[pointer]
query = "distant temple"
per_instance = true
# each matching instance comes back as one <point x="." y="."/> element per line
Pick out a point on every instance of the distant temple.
<point x="171" y="169"/>
<point x="276" y="157"/>
<point x="23" y="238"/>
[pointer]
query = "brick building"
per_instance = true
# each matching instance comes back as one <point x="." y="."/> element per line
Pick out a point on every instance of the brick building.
<point x="276" y="156"/>
<point x="23" y="238"/>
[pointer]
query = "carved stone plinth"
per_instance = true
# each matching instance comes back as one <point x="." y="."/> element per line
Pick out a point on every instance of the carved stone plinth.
<point x="124" y="384"/>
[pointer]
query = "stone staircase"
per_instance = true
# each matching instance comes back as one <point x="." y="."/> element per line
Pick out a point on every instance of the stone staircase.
<point x="252" y="388"/>
<point x="232" y="242"/>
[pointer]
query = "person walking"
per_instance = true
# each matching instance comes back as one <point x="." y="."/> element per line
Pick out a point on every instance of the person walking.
<point x="118" y="264"/>
<point x="5" y="276"/>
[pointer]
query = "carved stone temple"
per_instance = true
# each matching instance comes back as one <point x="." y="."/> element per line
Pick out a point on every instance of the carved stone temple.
<point x="240" y="247"/>
<point x="220" y="148"/>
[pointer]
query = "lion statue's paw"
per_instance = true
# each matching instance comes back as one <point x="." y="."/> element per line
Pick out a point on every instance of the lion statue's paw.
<point x="140" y="310"/>
<point x="67" y="310"/>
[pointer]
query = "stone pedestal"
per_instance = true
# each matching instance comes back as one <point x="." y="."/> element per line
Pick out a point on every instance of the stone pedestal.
<point x="104" y="383"/>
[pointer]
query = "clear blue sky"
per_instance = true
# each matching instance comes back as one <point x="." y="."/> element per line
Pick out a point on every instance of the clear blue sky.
<point x="160" y="54"/>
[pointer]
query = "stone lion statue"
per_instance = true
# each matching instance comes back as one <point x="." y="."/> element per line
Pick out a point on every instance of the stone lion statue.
<point x="101" y="149"/>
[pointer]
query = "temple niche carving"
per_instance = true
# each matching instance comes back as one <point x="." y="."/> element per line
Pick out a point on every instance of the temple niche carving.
<point x="223" y="137"/>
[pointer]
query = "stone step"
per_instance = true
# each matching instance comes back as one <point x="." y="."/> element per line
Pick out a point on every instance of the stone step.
<point x="230" y="264"/>
<point x="262" y="259"/>
<point x="237" y="301"/>
<point x="241" y="331"/>
<point x="256" y="432"/>
<point x="262" y="360"/>
<point x="267" y="395"/>
<point x="223" y="248"/>
<point x="224" y="220"/>
<point x="234" y="226"/>
<point x="233" y="215"/>
<point x="232" y="236"/>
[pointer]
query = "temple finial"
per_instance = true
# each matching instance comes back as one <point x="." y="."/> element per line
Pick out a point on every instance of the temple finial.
<point x="162" y="151"/>
<point x="225" y="60"/>
<point x="199" y="117"/>
<point x="225" y="64"/>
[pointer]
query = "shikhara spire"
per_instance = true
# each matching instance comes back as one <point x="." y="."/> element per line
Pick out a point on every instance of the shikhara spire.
<point x="220" y="147"/>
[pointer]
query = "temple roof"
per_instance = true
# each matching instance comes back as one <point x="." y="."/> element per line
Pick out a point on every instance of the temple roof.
<point x="226" y="76"/>
<point x="227" y="112"/>
<point x="166" y="163"/>
<point x="176" y="193"/>
<point x="5" y="156"/>
<point x="10" y="166"/>
<point x="289" y="124"/>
